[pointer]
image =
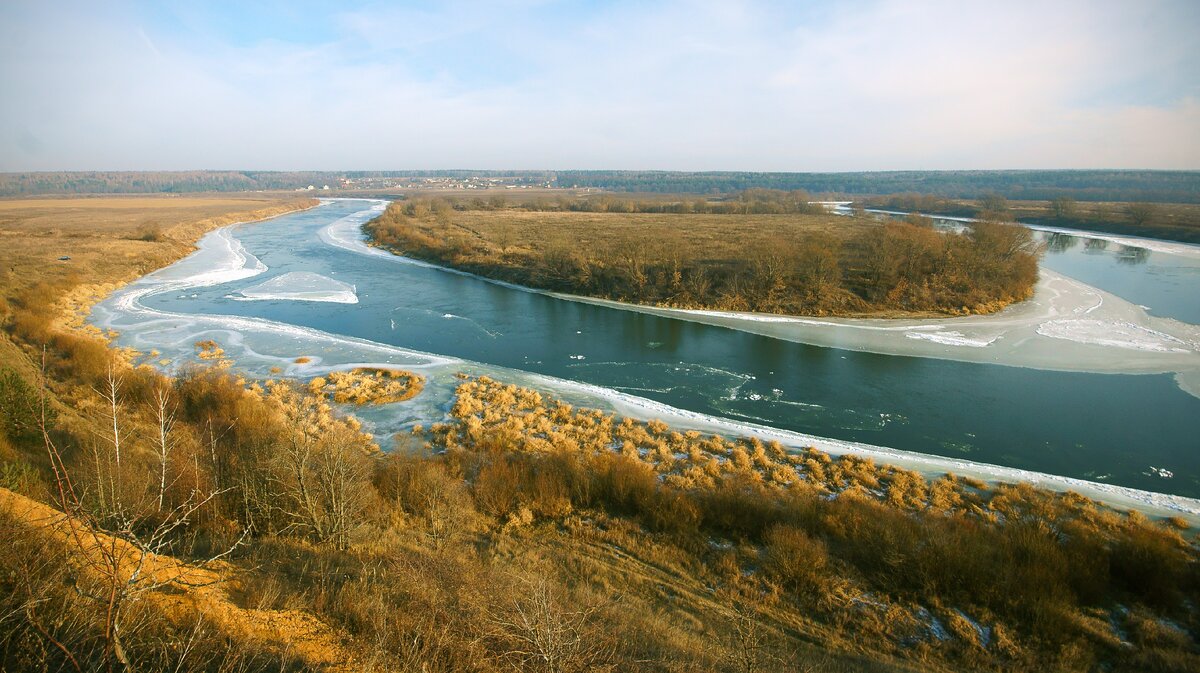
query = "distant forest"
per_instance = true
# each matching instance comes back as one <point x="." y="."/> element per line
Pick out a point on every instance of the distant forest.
<point x="1097" y="185"/>
<point x="1105" y="185"/>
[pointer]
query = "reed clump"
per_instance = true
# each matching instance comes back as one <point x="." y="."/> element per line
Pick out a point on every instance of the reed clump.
<point x="363" y="385"/>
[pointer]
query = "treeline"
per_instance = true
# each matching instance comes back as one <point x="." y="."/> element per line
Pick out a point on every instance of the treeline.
<point x="1084" y="185"/>
<point x="745" y="202"/>
<point x="896" y="266"/>
<point x="169" y="182"/>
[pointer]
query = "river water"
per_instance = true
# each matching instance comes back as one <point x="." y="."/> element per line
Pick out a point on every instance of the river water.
<point x="1106" y="428"/>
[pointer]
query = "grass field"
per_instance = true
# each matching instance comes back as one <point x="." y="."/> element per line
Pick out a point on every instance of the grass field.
<point x="715" y="237"/>
<point x="1171" y="221"/>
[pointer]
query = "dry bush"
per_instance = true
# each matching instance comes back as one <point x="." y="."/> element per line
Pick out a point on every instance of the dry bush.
<point x="541" y="628"/>
<point x="497" y="487"/>
<point x="421" y="488"/>
<point x="873" y="548"/>
<point x="795" y="559"/>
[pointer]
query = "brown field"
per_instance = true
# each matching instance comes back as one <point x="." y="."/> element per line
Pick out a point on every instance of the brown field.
<point x="1175" y="221"/>
<point x="1172" y="221"/>
<point x="112" y="239"/>
<point x="719" y="237"/>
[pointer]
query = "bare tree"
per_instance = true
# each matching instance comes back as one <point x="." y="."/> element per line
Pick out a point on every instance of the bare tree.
<point x="772" y="267"/>
<point x="993" y="207"/>
<point x="110" y="392"/>
<point x="116" y="548"/>
<point x="539" y="633"/>
<point x="748" y="639"/>
<point x="632" y="260"/>
<point x="750" y="643"/>
<point x="1063" y="207"/>
<point x="342" y="470"/>
<point x="1141" y="213"/>
<point x="698" y="283"/>
<point x="163" y="410"/>
<point x="321" y="477"/>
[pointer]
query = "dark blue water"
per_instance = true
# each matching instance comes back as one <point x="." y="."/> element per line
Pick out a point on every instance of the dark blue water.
<point x="1167" y="285"/>
<point x="1095" y="426"/>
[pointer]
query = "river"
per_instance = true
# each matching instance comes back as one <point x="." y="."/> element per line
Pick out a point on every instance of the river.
<point x="344" y="304"/>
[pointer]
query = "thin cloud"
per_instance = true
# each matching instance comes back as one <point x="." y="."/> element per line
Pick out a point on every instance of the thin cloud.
<point x="689" y="85"/>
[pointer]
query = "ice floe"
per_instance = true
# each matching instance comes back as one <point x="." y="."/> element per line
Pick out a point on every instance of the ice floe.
<point x="1115" y="333"/>
<point x="300" y="286"/>
<point x="952" y="338"/>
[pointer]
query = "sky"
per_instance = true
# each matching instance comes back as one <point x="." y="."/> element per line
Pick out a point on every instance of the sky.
<point x="543" y="84"/>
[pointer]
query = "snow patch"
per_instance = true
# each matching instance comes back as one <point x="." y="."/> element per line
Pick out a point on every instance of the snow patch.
<point x="300" y="286"/>
<point x="1118" y="334"/>
<point x="952" y="338"/>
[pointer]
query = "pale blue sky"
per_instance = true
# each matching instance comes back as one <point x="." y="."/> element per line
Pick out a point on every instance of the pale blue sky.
<point x="722" y="85"/>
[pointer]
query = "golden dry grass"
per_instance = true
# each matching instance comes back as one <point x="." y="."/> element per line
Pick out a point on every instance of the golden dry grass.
<point x="858" y="557"/>
<point x="43" y="299"/>
<point x="113" y="239"/>
<point x="691" y="235"/>
<point x="190" y="590"/>
<point x="367" y="385"/>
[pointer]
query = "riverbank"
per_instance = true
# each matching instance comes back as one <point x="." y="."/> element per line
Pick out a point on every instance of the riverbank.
<point x="60" y="256"/>
<point x="1138" y="215"/>
<point x="542" y="516"/>
<point x="1175" y="247"/>
<point x="649" y="526"/>
<point x="1065" y="326"/>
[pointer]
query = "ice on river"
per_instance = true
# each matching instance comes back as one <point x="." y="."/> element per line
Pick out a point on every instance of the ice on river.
<point x="1119" y="334"/>
<point x="301" y="286"/>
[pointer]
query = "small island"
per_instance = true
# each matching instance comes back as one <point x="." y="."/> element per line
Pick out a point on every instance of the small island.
<point x="763" y="251"/>
<point x="367" y="385"/>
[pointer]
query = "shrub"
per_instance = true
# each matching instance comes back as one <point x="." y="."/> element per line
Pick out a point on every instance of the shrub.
<point x="795" y="559"/>
<point x="20" y="412"/>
